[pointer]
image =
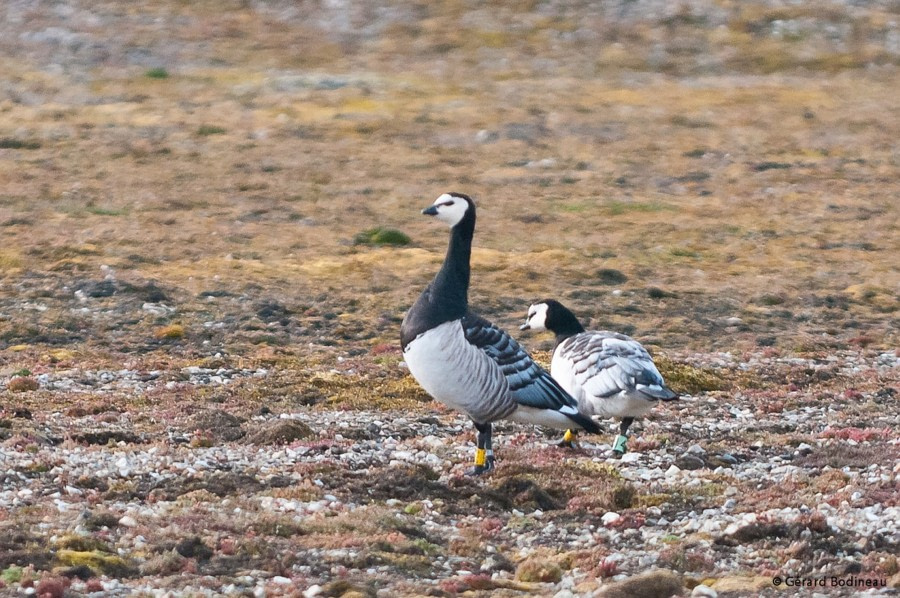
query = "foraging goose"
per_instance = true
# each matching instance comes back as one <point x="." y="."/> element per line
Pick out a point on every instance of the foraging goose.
<point x="610" y="374"/>
<point x="467" y="363"/>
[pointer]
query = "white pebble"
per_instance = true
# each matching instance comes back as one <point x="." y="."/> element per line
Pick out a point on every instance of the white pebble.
<point x="610" y="518"/>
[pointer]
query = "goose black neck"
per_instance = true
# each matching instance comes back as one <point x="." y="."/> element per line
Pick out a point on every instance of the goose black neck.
<point x="451" y="284"/>
<point x="562" y="322"/>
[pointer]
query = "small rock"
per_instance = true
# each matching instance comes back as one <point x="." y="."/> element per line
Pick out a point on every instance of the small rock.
<point x="128" y="521"/>
<point x="689" y="461"/>
<point x="696" y="449"/>
<point x="610" y="518"/>
<point x="312" y="591"/>
<point x="703" y="591"/>
<point x="486" y="136"/>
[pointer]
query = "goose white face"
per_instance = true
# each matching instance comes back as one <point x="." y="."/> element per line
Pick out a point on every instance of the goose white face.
<point x="536" y="318"/>
<point x="448" y="208"/>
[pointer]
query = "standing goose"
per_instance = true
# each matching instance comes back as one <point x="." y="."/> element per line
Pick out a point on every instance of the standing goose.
<point x="610" y="374"/>
<point x="467" y="363"/>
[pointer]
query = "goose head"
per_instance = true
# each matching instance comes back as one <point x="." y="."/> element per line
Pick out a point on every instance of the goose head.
<point x="537" y="317"/>
<point x="452" y="208"/>
<point x="552" y="315"/>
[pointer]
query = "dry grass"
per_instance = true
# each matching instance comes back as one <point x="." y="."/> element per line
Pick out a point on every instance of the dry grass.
<point x="240" y="186"/>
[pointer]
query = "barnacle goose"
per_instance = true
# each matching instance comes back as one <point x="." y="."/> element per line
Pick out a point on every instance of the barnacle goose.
<point x="610" y="374"/>
<point x="467" y="363"/>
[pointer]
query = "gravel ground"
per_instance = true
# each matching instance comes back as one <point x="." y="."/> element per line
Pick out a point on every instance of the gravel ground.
<point x="150" y="501"/>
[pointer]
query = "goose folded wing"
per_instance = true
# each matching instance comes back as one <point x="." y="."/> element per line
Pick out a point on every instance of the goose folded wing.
<point x="529" y="383"/>
<point x="612" y="363"/>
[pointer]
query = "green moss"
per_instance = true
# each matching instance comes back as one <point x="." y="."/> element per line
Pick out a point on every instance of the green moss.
<point x="11" y="574"/>
<point x="540" y="570"/>
<point x="652" y="500"/>
<point x="684" y="252"/>
<point x="106" y="211"/>
<point x="382" y="236"/>
<point x="687" y="379"/>
<point x="206" y="130"/>
<point x="157" y="73"/>
<point x="81" y="544"/>
<point x="101" y="563"/>
<point x="763" y="166"/>
<point x="616" y="208"/>
<point x="11" y="143"/>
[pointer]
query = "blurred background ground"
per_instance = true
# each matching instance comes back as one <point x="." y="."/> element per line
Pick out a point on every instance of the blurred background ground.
<point x="196" y="185"/>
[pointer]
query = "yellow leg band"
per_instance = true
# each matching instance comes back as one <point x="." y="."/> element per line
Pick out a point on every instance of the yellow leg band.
<point x="479" y="457"/>
<point x="569" y="436"/>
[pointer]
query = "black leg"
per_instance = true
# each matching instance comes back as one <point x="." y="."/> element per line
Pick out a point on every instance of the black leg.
<point x="619" y="445"/>
<point x="484" y="454"/>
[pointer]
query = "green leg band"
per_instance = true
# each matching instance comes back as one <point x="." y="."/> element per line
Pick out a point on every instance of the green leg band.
<point x="619" y="444"/>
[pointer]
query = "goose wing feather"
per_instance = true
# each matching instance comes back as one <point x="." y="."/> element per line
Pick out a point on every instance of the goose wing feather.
<point x="529" y="383"/>
<point x="607" y="363"/>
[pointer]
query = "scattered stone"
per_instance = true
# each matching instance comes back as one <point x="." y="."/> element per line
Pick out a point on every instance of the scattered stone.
<point x="704" y="591"/>
<point x="689" y="462"/>
<point x="610" y="518"/>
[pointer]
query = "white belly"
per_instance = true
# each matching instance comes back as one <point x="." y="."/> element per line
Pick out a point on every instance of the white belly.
<point x="620" y="405"/>
<point x="458" y="374"/>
